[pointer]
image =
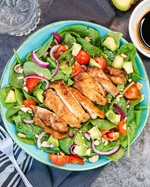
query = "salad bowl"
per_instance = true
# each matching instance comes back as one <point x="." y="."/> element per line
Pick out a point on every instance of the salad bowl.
<point x="36" y="40"/>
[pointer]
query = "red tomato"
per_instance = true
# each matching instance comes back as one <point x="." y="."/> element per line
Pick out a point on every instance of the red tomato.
<point x="102" y="62"/>
<point x="110" y="136"/>
<point x="59" y="160"/>
<point x="61" y="49"/>
<point x="29" y="102"/>
<point x="74" y="159"/>
<point x="82" y="57"/>
<point x="31" y="83"/>
<point x="133" y="92"/>
<point x="76" y="69"/>
<point x="121" y="129"/>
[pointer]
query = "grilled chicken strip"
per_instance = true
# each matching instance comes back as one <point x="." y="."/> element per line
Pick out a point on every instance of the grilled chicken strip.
<point x="87" y="104"/>
<point x="50" y="119"/>
<point x="90" y="82"/>
<point x="117" y="76"/>
<point x="53" y="102"/>
<point x="90" y="93"/>
<point x="101" y="77"/>
<point x="49" y="130"/>
<point x="115" y="71"/>
<point x="116" y="79"/>
<point x="70" y="101"/>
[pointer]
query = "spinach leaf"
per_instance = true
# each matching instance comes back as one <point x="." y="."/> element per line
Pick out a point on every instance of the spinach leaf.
<point x="103" y="124"/>
<point x="33" y="68"/>
<point x="84" y="31"/>
<point x="29" y="130"/>
<point x="65" y="143"/>
<point x="44" y="48"/>
<point x="16" y="79"/>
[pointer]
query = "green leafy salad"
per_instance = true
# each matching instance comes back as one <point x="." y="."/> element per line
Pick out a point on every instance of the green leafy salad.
<point x="76" y="97"/>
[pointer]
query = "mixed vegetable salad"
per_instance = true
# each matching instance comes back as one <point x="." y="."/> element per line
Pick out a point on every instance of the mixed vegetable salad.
<point x="66" y="54"/>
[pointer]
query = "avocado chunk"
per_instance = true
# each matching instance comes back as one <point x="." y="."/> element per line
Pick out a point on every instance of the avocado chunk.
<point x="38" y="93"/>
<point x="95" y="133"/>
<point x="76" y="48"/>
<point x="114" y="118"/>
<point x="53" y="141"/>
<point x="127" y="66"/>
<point x="123" y="5"/>
<point x="94" y="63"/>
<point x="110" y="43"/>
<point x="118" y="62"/>
<point x="80" y="150"/>
<point x="10" y="97"/>
<point x="79" y="139"/>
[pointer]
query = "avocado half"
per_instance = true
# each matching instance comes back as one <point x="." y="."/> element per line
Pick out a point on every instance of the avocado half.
<point x="123" y="5"/>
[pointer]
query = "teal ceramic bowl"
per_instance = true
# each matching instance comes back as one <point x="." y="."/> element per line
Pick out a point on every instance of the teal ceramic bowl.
<point x="35" y="41"/>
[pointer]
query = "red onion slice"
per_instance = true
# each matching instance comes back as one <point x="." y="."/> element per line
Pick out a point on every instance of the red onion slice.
<point x="53" y="49"/>
<point x="38" y="77"/>
<point x="39" y="139"/>
<point x="119" y="110"/>
<point x="38" y="61"/>
<point x="87" y="135"/>
<point x="57" y="68"/>
<point x="18" y="69"/>
<point x="113" y="151"/>
<point x="71" y="148"/>
<point x="57" y="37"/>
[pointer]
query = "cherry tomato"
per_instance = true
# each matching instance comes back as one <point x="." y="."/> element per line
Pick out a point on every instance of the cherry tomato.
<point x="102" y="62"/>
<point x="121" y="129"/>
<point x="74" y="159"/>
<point x="82" y="57"/>
<point x="133" y="92"/>
<point x="31" y="83"/>
<point x="76" y="69"/>
<point x="61" y="49"/>
<point x="59" y="160"/>
<point x="109" y="135"/>
<point x="29" y="102"/>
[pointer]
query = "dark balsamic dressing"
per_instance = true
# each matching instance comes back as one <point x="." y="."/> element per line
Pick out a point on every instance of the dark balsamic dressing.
<point x="144" y="30"/>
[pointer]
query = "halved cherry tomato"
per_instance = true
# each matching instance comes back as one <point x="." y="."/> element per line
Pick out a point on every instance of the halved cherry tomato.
<point x="82" y="57"/>
<point x="76" y="69"/>
<point x="133" y="92"/>
<point x="29" y="102"/>
<point x="74" y="159"/>
<point x="121" y="129"/>
<point x="31" y="83"/>
<point x="102" y="62"/>
<point x="61" y="49"/>
<point x="59" y="160"/>
<point x="109" y="135"/>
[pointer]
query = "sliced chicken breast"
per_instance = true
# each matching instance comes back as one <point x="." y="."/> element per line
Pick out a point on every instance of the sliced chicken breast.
<point x="90" y="93"/>
<point x="53" y="102"/>
<point x="90" y="82"/>
<point x="70" y="101"/>
<point x="92" y="110"/>
<point x="56" y="134"/>
<point x="50" y="119"/>
<point x="101" y="77"/>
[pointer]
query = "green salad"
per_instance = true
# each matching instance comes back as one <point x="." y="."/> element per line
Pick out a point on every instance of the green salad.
<point x="76" y="96"/>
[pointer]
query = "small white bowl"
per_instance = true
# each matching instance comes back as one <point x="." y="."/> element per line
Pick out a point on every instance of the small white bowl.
<point x="136" y="16"/>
